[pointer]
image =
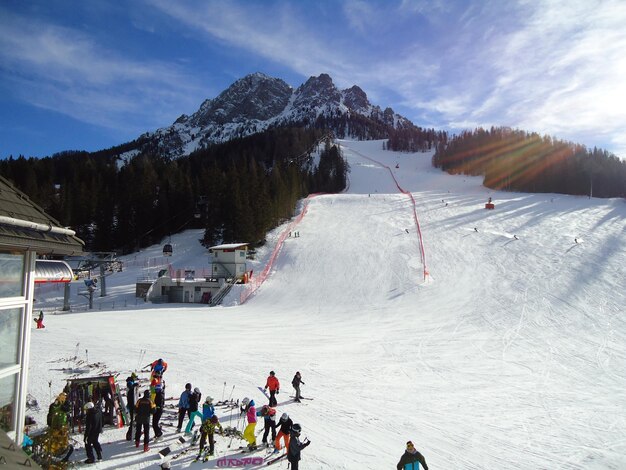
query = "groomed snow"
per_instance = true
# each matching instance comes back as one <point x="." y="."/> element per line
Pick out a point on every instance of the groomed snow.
<point x="511" y="355"/>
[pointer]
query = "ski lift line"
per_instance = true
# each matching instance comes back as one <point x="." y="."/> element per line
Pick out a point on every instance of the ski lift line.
<point x="413" y="204"/>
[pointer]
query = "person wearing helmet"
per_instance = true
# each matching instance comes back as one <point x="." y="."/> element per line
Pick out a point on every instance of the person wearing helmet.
<point x="208" y="410"/>
<point x="93" y="428"/>
<point x="411" y="459"/>
<point x="131" y="386"/>
<point x="144" y="408"/>
<point x="295" y="446"/>
<point x="274" y="385"/>
<point x="194" y="401"/>
<point x="159" y="405"/>
<point x="269" y="420"/>
<point x="297" y="380"/>
<point x="248" y="434"/>
<point x="207" y="430"/>
<point x="158" y="368"/>
<point x="285" y="424"/>
<point x="183" y="406"/>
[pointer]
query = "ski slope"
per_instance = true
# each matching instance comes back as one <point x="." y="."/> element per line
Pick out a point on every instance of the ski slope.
<point x="510" y="354"/>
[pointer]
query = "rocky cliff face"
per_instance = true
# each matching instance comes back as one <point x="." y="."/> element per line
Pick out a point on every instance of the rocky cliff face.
<point x="258" y="102"/>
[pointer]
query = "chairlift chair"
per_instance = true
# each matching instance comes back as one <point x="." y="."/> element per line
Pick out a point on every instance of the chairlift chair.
<point x="167" y="249"/>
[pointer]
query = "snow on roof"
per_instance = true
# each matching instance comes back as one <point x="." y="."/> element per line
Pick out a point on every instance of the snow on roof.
<point x="228" y="246"/>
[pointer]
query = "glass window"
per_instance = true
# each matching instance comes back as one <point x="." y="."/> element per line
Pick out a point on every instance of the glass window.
<point x="11" y="274"/>
<point x="7" y="402"/>
<point x="9" y="336"/>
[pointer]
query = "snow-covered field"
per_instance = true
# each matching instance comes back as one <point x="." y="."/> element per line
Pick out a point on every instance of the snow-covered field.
<point x="511" y="355"/>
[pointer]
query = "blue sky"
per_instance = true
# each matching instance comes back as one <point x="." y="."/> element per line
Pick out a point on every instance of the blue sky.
<point x="92" y="74"/>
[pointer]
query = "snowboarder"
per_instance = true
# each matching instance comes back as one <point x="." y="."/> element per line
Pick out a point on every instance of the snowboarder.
<point x="194" y="400"/>
<point x="297" y="380"/>
<point x="144" y="408"/>
<point x="93" y="428"/>
<point x="183" y="406"/>
<point x="295" y="446"/>
<point x="39" y="320"/>
<point x="249" y="408"/>
<point x="207" y="430"/>
<point x="411" y="459"/>
<point x="131" y="387"/>
<point x="274" y="385"/>
<point x="269" y="420"/>
<point x="159" y="403"/>
<point x="285" y="424"/>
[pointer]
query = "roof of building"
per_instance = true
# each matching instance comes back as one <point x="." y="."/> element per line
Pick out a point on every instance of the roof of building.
<point x="52" y="271"/>
<point x="229" y="246"/>
<point x="25" y="225"/>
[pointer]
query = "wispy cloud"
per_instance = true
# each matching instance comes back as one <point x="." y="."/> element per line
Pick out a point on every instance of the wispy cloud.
<point x="65" y="70"/>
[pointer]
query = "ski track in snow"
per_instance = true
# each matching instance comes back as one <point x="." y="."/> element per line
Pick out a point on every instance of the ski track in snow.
<point x="511" y="356"/>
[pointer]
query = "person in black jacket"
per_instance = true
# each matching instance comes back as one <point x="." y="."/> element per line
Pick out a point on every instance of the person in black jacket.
<point x="144" y="408"/>
<point x="297" y="380"/>
<point x="295" y="446"/>
<point x="285" y="424"/>
<point x="131" y="387"/>
<point x="93" y="428"/>
<point x="411" y="459"/>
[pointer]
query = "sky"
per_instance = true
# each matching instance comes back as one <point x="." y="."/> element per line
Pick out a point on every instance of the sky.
<point x="78" y="75"/>
<point x="509" y="354"/>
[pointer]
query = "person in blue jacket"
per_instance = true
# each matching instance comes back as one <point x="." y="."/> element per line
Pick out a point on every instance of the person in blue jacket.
<point x="183" y="406"/>
<point x="411" y="459"/>
<point x="208" y="410"/>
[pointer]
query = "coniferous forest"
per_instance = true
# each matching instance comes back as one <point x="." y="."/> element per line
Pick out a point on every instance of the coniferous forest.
<point x="514" y="160"/>
<point x="239" y="190"/>
<point x="236" y="191"/>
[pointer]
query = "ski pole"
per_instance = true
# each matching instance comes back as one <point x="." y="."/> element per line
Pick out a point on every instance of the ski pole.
<point x="223" y="389"/>
<point x="87" y="355"/>
<point x="231" y="393"/>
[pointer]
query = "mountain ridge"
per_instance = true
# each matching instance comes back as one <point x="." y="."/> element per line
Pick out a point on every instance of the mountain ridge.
<point x="258" y="102"/>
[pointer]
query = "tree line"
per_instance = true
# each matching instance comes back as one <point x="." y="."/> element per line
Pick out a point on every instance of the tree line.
<point x="235" y="191"/>
<point x="515" y="160"/>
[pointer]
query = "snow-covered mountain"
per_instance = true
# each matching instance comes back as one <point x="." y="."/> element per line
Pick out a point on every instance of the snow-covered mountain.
<point x="258" y="102"/>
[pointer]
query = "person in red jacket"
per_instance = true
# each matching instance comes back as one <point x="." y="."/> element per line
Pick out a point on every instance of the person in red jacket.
<point x="274" y="385"/>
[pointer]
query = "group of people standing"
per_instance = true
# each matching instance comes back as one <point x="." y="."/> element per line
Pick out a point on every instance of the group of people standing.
<point x="285" y="429"/>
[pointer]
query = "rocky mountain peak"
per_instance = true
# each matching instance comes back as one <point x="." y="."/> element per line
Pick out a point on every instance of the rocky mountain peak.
<point x="257" y="102"/>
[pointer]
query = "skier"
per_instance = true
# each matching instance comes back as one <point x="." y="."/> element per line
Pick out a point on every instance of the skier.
<point x="157" y="368"/>
<point x="109" y="406"/>
<point x="411" y="459"/>
<point x="58" y="409"/>
<point x="274" y="385"/>
<point x="269" y="420"/>
<point x="144" y="409"/>
<point x="249" y="408"/>
<point x="297" y="380"/>
<point x="194" y="400"/>
<point x="285" y="424"/>
<point x="39" y="320"/>
<point x="295" y="446"/>
<point x="93" y="428"/>
<point x="159" y="403"/>
<point x="208" y="410"/>
<point x="183" y="406"/>
<point x="208" y="430"/>
<point x="131" y="386"/>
